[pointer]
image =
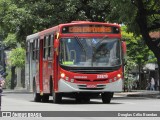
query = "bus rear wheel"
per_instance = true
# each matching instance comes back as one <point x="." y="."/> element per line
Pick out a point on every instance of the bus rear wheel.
<point x="37" y="96"/>
<point x="45" y="98"/>
<point x="106" y="97"/>
<point x="57" y="97"/>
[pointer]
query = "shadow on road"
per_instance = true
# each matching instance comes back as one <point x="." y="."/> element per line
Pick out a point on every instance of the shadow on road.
<point x="73" y="102"/>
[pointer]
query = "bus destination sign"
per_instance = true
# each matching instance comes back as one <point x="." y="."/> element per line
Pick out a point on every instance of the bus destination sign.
<point x="90" y="29"/>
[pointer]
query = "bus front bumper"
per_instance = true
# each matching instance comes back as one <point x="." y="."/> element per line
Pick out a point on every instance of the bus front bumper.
<point x="65" y="86"/>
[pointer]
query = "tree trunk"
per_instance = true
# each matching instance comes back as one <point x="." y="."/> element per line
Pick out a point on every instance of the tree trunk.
<point x="13" y="77"/>
<point x="23" y="77"/>
<point x="19" y="84"/>
<point x="140" y="79"/>
<point x="154" y="45"/>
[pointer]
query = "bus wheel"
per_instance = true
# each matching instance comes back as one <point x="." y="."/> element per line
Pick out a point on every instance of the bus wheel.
<point x="45" y="98"/>
<point x="37" y="96"/>
<point x="57" y="97"/>
<point x="106" y="97"/>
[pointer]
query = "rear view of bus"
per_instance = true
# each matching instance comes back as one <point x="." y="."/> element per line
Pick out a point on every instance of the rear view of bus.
<point x="87" y="62"/>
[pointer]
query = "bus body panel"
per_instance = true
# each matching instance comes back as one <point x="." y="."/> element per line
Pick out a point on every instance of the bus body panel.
<point x="41" y="67"/>
<point x="56" y="73"/>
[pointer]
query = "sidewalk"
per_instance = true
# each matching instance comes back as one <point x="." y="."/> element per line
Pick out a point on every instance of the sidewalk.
<point x="139" y="93"/>
<point x="16" y="91"/>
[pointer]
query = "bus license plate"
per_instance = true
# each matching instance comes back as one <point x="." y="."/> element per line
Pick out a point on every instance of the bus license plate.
<point x="91" y="86"/>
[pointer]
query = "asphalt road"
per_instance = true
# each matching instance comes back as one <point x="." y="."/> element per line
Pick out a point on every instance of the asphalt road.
<point x="24" y="102"/>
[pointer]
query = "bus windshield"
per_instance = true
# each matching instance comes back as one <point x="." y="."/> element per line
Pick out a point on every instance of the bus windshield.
<point x="90" y="52"/>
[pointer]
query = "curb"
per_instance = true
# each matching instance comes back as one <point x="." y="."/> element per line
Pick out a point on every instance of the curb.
<point x="145" y="95"/>
<point x="20" y="91"/>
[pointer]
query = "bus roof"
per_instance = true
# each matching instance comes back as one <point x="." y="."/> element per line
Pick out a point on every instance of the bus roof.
<point x="56" y="28"/>
<point x="88" y="22"/>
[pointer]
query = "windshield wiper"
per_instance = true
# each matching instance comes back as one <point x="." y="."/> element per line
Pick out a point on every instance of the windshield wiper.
<point x="81" y="45"/>
<point x="94" y="46"/>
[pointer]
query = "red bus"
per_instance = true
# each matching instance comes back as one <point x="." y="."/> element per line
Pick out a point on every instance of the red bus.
<point x="81" y="59"/>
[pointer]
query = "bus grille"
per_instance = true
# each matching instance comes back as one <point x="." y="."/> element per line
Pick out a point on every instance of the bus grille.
<point x="91" y="88"/>
<point x="87" y="80"/>
<point x="84" y="87"/>
<point x="89" y="71"/>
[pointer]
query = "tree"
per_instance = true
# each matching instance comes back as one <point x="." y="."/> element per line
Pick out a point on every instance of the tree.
<point x="24" y="17"/>
<point x="141" y="18"/>
<point x="17" y="57"/>
<point x="138" y="54"/>
<point x="136" y="48"/>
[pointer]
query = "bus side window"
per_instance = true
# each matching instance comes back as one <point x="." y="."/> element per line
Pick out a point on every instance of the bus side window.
<point x="50" y="46"/>
<point x="45" y="47"/>
<point x="44" y="50"/>
<point x="33" y="50"/>
<point x="27" y="52"/>
<point x="37" y="49"/>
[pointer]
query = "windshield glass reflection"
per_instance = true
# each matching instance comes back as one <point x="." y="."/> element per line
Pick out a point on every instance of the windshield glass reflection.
<point x="90" y="52"/>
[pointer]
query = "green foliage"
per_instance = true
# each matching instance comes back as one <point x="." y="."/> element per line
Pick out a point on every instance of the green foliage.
<point x="137" y="50"/>
<point x="137" y="54"/>
<point x="151" y="58"/>
<point x="141" y="18"/>
<point x="127" y="12"/>
<point x="17" y="57"/>
<point x="10" y="40"/>
<point x="24" y="17"/>
<point x="129" y="78"/>
<point x="123" y="11"/>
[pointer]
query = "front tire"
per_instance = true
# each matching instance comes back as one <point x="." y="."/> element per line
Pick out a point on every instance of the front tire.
<point x="57" y="97"/>
<point x="106" y="97"/>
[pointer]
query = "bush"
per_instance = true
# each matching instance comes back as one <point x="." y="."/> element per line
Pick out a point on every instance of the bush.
<point x="17" y="57"/>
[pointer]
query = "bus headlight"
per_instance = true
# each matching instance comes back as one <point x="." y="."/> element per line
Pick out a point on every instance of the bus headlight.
<point x="62" y="75"/>
<point x="119" y="75"/>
